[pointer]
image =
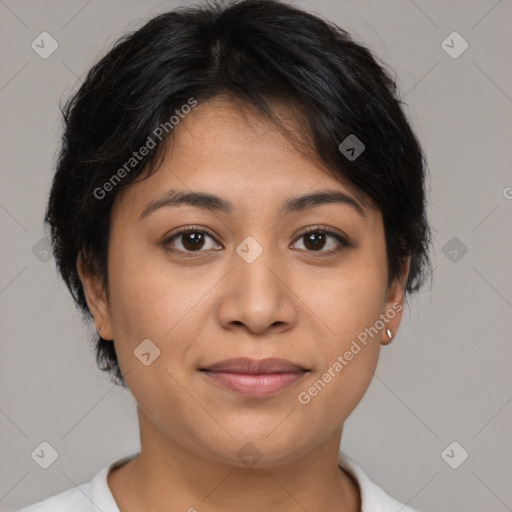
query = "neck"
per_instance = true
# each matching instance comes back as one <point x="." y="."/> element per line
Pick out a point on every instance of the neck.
<point x="168" y="476"/>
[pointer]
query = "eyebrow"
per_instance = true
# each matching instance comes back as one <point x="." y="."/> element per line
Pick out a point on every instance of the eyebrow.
<point x="207" y="201"/>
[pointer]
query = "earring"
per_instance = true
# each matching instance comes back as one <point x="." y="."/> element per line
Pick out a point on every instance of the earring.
<point x="389" y="333"/>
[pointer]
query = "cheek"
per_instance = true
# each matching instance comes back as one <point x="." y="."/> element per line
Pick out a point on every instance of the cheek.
<point x="144" y="293"/>
<point x="347" y="357"/>
<point x="150" y="299"/>
<point x="148" y="302"/>
<point x="138" y="298"/>
<point x="347" y="301"/>
<point x="348" y="307"/>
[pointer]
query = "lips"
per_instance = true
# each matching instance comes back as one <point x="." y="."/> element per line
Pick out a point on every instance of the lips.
<point x="254" y="366"/>
<point x="255" y="378"/>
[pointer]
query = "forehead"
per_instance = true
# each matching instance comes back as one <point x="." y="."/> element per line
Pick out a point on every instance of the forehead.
<point x="233" y="152"/>
<point x="234" y="139"/>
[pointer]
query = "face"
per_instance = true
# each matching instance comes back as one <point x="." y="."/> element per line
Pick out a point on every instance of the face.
<point x="204" y="284"/>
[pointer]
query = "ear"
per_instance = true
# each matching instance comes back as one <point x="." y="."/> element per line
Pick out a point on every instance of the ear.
<point x="394" y="305"/>
<point x="96" y="298"/>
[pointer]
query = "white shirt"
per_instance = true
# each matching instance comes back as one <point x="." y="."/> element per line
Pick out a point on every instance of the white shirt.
<point x="96" y="496"/>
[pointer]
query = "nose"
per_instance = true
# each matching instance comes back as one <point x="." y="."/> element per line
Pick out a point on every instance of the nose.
<point x="257" y="296"/>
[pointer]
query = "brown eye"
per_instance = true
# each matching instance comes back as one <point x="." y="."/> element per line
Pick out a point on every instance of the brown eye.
<point x="322" y="241"/>
<point x="314" y="241"/>
<point x="189" y="240"/>
<point x="192" y="241"/>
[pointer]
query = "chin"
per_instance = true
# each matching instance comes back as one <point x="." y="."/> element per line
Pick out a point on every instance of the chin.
<point x="260" y="450"/>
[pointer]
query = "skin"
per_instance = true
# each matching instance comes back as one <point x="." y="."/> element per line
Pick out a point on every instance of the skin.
<point x="291" y="302"/>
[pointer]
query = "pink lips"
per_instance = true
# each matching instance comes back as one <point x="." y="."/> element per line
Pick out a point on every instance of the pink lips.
<point x="255" y="378"/>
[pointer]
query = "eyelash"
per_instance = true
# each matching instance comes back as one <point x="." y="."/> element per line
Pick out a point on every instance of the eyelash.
<point x="198" y="229"/>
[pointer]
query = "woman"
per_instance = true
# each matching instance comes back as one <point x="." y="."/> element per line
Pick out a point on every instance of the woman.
<point x="239" y="205"/>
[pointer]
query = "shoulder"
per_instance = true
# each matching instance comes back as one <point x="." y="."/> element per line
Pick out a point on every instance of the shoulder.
<point x="373" y="497"/>
<point x="92" y="496"/>
<point x="75" y="499"/>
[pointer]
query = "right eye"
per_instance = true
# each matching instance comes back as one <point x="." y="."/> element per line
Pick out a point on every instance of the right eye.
<point x="191" y="239"/>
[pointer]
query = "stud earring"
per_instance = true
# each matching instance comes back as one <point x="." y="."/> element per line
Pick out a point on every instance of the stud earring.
<point x="389" y="333"/>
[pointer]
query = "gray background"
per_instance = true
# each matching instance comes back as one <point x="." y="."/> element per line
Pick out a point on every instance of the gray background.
<point x="447" y="375"/>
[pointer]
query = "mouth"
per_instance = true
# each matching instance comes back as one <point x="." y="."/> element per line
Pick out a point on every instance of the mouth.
<point x="255" y="378"/>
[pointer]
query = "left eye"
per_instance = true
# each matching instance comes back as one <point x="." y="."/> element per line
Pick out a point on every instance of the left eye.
<point x="315" y="240"/>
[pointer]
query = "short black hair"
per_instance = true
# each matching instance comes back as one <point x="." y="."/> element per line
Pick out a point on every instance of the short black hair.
<point x="259" y="53"/>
